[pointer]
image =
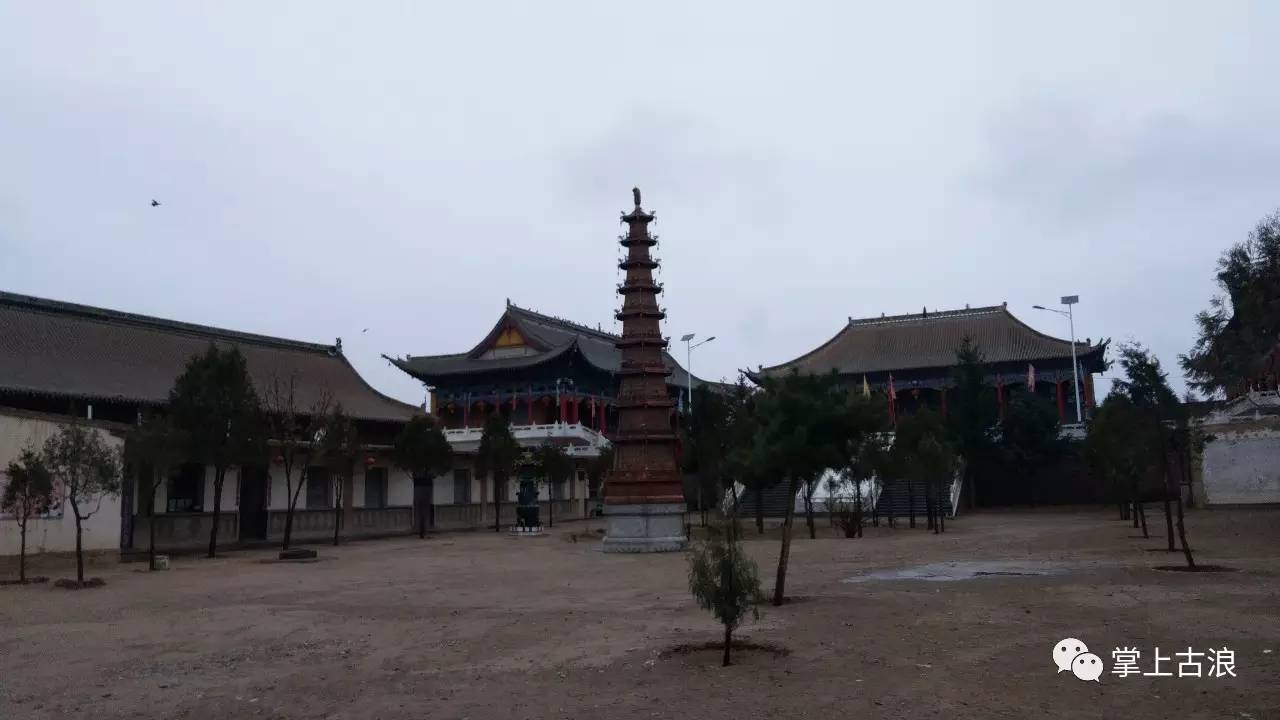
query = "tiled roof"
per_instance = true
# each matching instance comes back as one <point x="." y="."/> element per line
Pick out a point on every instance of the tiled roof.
<point x="56" y="348"/>
<point x="550" y="336"/>
<point x="930" y="340"/>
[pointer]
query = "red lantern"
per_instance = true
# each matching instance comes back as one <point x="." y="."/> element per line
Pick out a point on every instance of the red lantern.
<point x="278" y="459"/>
<point x="369" y="461"/>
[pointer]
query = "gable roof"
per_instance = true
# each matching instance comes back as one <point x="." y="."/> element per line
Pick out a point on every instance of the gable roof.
<point x="49" y="347"/>
<point x="547" y="336"/>
<point x="930" y="340"/>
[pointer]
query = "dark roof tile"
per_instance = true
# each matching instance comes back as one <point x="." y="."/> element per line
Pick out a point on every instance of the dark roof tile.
<point x="930" y="340"/>
<point x="63" y="349"/>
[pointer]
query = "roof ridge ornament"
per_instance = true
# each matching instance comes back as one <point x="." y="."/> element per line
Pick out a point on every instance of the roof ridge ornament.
<point x="635" y="194"/>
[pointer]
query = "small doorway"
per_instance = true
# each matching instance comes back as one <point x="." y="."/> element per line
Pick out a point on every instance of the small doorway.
<point x="253" y="503"/>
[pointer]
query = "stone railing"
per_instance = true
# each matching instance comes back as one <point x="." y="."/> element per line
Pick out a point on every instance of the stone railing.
<point x="528" y="435"/>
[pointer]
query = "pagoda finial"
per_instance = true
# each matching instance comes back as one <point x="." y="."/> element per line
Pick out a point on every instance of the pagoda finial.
<point x="635" y="194"/>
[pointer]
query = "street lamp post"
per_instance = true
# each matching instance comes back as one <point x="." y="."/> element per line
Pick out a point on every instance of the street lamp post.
<point x="688" y="364"/>
<point x="1069" y="301"/>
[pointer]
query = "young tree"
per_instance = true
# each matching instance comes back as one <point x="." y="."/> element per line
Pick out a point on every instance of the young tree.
<point x="804" y="424"/>
<point x="89" y="471"/>
<point x="924" y="454"/>
<point x="551" y="464"/>
<point x="295" y="432"/>
<point x="340" y="448"/>
<point x="152" y="449"/>
<point x="742" y="466"/>
<point x="1240" y="332"/>
<point x="724" y="580"/>
<point x="29" y="493"/>
<point x="214" y="403"/>
<point x="972" y="415"/>
<point x="864" y="454"/>
<point x="497" y="457"/>
<point x="1146" y="385"/>
<point x="422" y="450"/>
<point x="706" y="440"/>
<point x="1030" y="437"/>
<point x="599" y="467"/>
<point x="1124" y="445"/>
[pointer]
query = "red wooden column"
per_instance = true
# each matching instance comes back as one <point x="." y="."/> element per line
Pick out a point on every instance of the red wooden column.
<point x="944" y="403"/>
<point x="530" y="407"/>
<point x="1000" y="399"/>
<point x="1062" y="402"/>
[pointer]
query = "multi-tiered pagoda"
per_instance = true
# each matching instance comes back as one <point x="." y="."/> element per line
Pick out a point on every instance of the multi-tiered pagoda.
<point x="644" y="502"/>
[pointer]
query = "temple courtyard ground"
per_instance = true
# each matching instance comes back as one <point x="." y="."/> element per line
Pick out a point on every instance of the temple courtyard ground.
<point x="478" y="625"/>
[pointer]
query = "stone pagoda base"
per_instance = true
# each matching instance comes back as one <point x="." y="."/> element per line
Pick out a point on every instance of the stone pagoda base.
<point x="651" y="527"/>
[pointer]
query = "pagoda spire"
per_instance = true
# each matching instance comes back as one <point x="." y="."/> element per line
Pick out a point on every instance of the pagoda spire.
<point x="644" y="502"/>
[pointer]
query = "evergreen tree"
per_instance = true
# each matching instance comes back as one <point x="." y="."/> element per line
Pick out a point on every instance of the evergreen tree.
<point x="422" y="450"/>
<point x="972" y="416"/>
<point x="804" y="425"/>
<point x="214" y="404"/>
<point x="551" y="465"/>
<point x="152" y="449"/>
<point x="1238" y="344"/>
<point x="724" y="579"/>
<point x="497" y="457"/>
<point x="1030" y="438"/>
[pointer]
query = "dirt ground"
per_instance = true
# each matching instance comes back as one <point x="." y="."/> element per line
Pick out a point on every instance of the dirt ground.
<point x="477" y="625"/>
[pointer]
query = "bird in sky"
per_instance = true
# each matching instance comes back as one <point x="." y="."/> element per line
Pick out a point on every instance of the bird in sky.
<point x="155" y="203"/>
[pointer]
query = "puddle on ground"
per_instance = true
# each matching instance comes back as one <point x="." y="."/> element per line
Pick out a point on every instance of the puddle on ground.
<point x="963" y="570"/>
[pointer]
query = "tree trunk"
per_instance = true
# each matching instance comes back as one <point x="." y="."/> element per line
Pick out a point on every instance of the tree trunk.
<point x="779" y="586"/>
<point x="219" y="476"/>
<point x="942" y="517"/>
<point x="857" y="508"/>
<point x="928" y="505"/>
<point x="497" y="505"/>
<point x="1182" y="534"/>
<point x="288" y="515"/>
<point x="1142" y="517"/>
<point x="551" y="512"/>
<point x="759" y="511"/>
<point x="421" y="506"/>
<point x="151" y="530"/>
<point x="75" y="510"/>
<point x="1168" y="513"/>
<point x="728" y="640"/>
<point x="22" y="548"/>
<point x="337" y="512"/>
<point x="911" y="504"/>
<point x="808" y="513"/>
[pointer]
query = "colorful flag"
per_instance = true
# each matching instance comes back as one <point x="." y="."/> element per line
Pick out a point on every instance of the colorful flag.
<point x="866" y="389"/>
<point x="1031" y="377"/>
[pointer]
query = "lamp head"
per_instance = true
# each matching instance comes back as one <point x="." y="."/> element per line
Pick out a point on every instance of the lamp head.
<point x="687" y="338"/>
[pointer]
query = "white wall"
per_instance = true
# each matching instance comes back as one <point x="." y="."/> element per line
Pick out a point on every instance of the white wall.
<point x="55" y="534"/>
<point x="1242" y="468"/>
<point x="399" y="488"/>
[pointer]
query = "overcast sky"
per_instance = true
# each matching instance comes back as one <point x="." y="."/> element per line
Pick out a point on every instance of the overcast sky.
<point x="404" y="167"/>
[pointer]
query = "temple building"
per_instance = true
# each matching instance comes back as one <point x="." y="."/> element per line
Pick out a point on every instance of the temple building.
<point x="553" y="379"/>
<point x="910" y="358"/>
<point x="104" y="368"/>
